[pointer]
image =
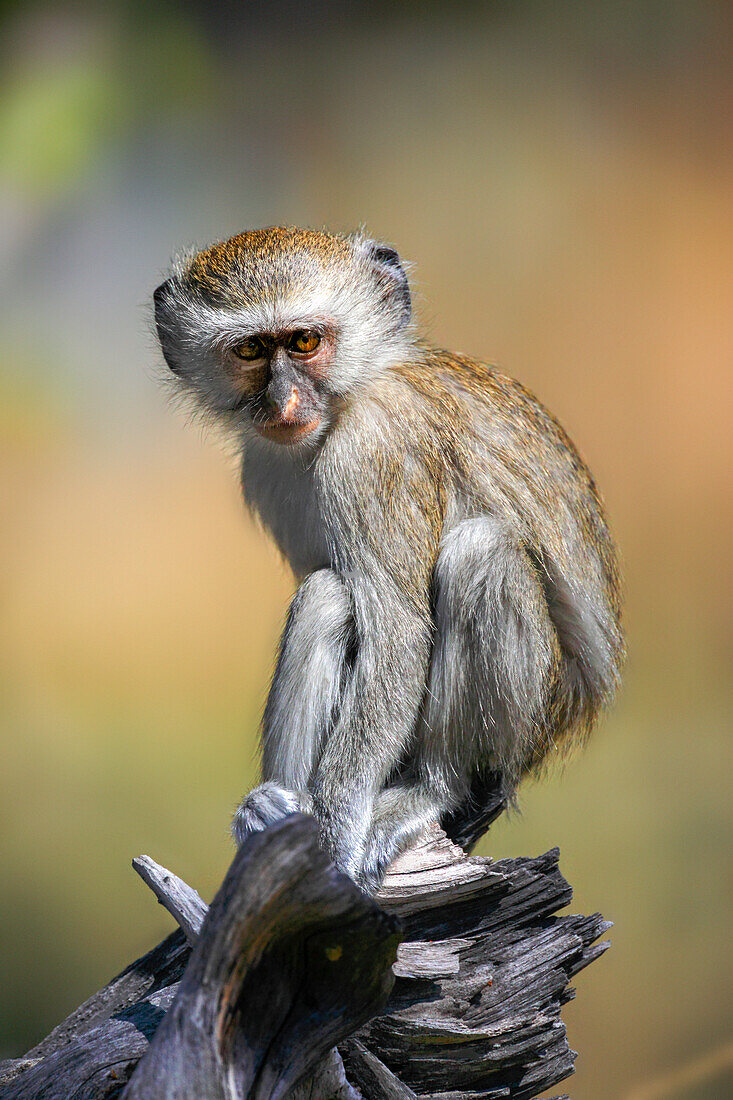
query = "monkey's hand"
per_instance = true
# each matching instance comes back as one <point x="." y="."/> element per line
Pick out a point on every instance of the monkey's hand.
<point x="264" y="806"/>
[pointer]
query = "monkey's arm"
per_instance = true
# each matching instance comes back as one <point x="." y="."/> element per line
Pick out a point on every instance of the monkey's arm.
<point x="376" y="719"/>
<point x="308" y="681"/>
<point x="305" y="691"/>
<point x="384" y="513"/>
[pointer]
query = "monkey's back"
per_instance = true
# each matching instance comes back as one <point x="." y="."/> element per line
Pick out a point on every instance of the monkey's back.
<point x="504" y="454"/>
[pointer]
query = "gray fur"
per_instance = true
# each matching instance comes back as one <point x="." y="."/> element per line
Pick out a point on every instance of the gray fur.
<point x="279" y="488"/>
<point x="491" y="672"/>
<point x="264" y="806"/>
<point x="308" y="680"/>
<point x="458" y="605"/>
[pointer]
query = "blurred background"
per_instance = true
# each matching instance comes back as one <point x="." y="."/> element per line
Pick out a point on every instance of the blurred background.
<point x="561" y="175"/>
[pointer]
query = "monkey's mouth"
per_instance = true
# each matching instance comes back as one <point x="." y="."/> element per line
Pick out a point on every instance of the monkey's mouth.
<point x="286" y="431"/>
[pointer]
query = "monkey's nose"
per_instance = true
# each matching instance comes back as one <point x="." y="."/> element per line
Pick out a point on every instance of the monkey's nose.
<point x="293" y="402"/>
<point x="284" y="397"/>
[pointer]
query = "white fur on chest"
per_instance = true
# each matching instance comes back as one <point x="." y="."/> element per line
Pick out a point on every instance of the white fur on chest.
<point x="281" y="489"/>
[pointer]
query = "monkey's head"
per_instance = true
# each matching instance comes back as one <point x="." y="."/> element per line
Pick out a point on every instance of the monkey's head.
<point x="273" y="328"/>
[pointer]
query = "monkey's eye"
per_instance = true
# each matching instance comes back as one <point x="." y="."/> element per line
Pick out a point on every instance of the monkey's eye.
<point x="250" y="349"/>
<point x="304" y="342"/>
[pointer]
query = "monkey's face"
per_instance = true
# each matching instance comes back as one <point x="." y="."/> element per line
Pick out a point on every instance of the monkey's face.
<point x="280" y="380"/>
<point x="273" y="329"/>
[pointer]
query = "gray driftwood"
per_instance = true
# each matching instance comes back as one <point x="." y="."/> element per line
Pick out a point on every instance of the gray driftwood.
<point x="181" y="900"/>
<point x="292" y="987"/>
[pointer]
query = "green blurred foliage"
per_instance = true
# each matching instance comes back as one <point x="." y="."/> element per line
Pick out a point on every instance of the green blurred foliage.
<point x="561" y="176"/>
<point x="62" y="109"/>
<point x="52" y="124"/>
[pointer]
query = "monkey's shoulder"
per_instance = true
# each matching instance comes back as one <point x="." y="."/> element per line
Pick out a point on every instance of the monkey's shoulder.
<point x="498" y="408"/>
<point x="439" y="410"/>
<point x="438" y="375"/>
<point x="494" y="434"/>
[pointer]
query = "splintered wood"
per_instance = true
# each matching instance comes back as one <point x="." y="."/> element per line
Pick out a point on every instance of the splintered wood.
<point x="448" y="985"/>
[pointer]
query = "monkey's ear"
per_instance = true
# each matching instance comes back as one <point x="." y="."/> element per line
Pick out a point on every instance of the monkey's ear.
<point x="162" y="324"/>
<point x="392" y="274"/>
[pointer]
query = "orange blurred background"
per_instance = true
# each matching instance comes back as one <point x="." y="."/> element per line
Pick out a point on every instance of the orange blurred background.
<point x="561" y="175"/>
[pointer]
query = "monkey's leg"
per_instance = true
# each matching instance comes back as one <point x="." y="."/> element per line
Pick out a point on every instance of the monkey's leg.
<point x="490" y="688"/>
<point x="305" y="691"/>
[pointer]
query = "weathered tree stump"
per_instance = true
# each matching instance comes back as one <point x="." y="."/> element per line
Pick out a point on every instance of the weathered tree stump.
<point x="448" y="985"/>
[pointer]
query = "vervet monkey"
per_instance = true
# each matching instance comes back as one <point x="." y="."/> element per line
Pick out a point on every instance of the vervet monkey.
<point x="458" y="607"/>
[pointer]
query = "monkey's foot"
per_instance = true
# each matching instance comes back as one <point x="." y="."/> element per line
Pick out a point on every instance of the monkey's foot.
<point x="265" y="805"/>
<point x="383" y="848"/>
